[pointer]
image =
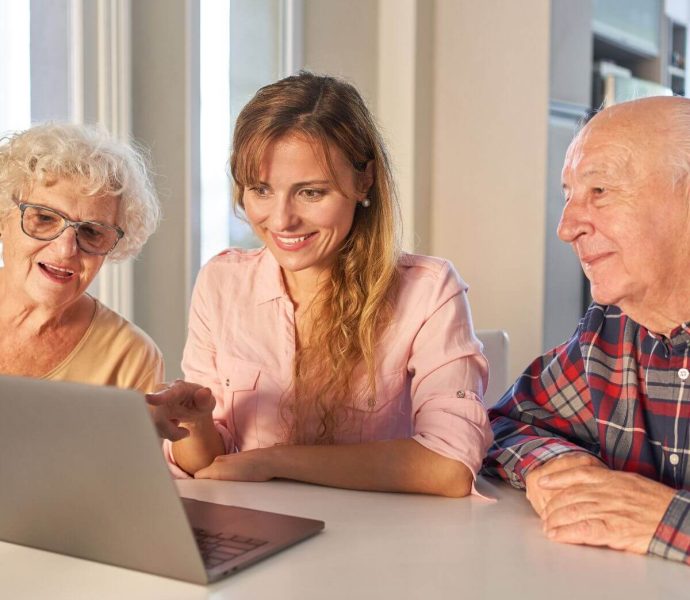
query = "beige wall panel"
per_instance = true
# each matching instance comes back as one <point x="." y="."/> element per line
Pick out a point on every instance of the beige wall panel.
<point x="489" y="160"/>
<point x="341" y="38"/>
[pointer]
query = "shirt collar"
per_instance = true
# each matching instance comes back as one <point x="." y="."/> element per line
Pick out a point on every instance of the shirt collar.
<point x="680" y="337"/>
<point x="678" y="340"/>
<point x="269" y="279"/>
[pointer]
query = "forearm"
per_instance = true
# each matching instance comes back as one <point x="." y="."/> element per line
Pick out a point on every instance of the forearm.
<point x="200" y="448"/>
<point x="386" y="466"/>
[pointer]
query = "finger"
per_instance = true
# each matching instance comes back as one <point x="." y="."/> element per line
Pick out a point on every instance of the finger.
<point x="592" y="532"/>
<point x="559" y="463"/>
<point x="170" y="431"/>
<point x="212" y="471"/>
<point x="205" y="473"/>
<point x="539" y="496"/>
<point x="574" y="476"/>
<point x="570" y="513"/>
<point x="156" y="398"/>
<point x="177" y="389"/>
<point x="586" y="492"/>
<point x="570" y="460"/>
<point x="204" y="400"/>
<point x="166" y="395"/>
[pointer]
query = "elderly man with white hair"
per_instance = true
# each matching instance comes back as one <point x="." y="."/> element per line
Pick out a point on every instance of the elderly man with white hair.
<point x="71" y="197"/>
<point x="597" y="430"/>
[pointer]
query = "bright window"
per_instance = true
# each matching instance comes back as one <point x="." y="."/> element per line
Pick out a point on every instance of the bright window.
<point x="260" y="39"/>
<point x="15" y="73"/>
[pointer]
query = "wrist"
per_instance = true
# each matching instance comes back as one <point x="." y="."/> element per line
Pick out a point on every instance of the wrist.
<point x="275" y="462"/>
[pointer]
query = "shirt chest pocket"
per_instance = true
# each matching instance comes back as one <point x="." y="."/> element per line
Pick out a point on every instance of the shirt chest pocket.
<point x="385" y="414"/>
<point x="240" y="380"/>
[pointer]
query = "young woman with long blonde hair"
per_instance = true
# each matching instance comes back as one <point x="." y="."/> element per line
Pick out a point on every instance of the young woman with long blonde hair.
<point x="327" y="356"/>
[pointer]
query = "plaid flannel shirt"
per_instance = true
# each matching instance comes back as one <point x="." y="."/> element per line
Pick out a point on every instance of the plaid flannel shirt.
<point x="615" y="390"/>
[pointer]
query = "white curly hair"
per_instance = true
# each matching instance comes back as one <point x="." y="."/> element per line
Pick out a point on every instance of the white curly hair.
<point x="101" y="164"/>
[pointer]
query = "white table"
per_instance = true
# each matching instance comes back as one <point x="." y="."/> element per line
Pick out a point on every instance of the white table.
<point x="374" y="546"/>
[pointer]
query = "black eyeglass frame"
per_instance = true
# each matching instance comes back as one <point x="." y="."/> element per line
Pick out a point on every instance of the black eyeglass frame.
<point x="67" y="222"/>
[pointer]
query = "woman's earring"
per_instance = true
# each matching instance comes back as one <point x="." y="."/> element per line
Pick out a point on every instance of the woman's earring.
<point x="366" y="203"/>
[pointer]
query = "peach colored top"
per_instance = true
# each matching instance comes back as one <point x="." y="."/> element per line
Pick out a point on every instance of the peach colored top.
<point x="112" y="351"/>
<point x="431" y="371"/>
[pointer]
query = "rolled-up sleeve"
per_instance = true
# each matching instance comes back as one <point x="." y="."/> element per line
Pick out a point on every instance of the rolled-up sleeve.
<point x="450" y="374"/>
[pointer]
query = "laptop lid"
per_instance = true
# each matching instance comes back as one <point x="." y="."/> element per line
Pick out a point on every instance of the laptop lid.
<point x="83" y="474"/>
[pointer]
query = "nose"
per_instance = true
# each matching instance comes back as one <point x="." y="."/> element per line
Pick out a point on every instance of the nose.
<point x="575" y="221"/>
<point x="66" y="243"/>
<point x="283" y="216"/>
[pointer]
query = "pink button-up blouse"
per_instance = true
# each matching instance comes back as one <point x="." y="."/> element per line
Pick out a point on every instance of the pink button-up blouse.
<point x="430" y="369"/>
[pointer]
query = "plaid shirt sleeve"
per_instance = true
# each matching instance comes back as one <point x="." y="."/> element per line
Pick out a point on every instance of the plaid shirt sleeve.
<point x="546" y="413"/>
<point x="672" y="537"/>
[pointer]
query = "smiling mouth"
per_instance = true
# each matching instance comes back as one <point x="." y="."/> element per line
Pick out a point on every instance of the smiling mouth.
<point x="290" y="241"/>
<point x="589" y="261"/>
<point x="56" y="272"/>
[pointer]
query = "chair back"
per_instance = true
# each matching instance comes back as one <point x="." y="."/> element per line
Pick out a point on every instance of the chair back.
<point x="495" y="343"/>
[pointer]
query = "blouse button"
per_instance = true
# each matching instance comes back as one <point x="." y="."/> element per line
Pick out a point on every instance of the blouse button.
<point x="227" y="383"/>
<point x="683" y="373"/>
<point x="673" y="459"/>
<point x="460" y="394"/>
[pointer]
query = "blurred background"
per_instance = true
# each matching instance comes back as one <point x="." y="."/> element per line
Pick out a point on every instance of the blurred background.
<point x="477" y="100"/>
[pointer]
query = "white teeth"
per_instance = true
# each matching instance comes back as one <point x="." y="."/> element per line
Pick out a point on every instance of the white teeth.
<point x="58" y="270"/>
<point x="292" y="241"/>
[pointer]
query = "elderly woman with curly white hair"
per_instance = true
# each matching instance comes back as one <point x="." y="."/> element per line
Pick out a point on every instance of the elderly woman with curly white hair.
<point x="71" y="197"/>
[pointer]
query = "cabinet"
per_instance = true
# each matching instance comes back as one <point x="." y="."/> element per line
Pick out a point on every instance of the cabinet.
<point x="677" y="51"/>
<point x="637" y="38"/>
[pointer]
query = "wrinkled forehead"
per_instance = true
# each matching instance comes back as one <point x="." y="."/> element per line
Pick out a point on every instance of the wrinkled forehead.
<point x="605" y="150"/>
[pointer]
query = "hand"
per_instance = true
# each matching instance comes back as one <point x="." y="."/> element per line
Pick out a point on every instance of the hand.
<point x="249" y="465"/>
<point x="181" y="402"/>
<point x="600" y="507"/>
<point x="536" y="494"/>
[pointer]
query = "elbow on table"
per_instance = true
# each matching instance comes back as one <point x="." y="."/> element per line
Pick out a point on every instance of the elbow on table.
<point x="455" y="481"/>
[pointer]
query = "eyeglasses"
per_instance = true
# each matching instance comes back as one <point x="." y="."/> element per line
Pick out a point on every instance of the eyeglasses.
<point x="45" y="224"/>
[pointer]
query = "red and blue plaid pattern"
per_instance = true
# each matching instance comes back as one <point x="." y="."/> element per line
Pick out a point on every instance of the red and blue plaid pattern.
<point x="617" y="391"/>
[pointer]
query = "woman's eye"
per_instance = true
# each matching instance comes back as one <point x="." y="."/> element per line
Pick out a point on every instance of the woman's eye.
<point x="259" y="190"/>
<point x="598" y="190"/>
<point x="46" y="218"/>
<point x="311" y="194"/>
<point x="90" y="232"/>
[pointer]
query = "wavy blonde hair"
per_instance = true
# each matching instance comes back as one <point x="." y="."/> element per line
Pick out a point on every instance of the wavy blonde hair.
<point x="353" y="305"/>
<point x="100" y="163"/>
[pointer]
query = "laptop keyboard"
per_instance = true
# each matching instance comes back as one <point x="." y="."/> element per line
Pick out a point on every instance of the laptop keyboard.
<point x="217" y="548"/>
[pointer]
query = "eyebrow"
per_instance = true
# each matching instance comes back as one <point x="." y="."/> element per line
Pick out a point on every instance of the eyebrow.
<point x="595" y="171"/>
<point x="592" y="172"/>
<point x="302" y="183"/>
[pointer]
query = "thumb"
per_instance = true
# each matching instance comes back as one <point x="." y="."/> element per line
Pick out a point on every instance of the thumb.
<point x="204" y="399"/>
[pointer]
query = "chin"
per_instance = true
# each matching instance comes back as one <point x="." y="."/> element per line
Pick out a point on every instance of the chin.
<point x="293" y="263"/>
<point x="606" y="297"/>
<point x="55" y="297"/>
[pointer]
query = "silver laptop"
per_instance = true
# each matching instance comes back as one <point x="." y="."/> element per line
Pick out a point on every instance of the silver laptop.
<point x="82" y="473"/>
